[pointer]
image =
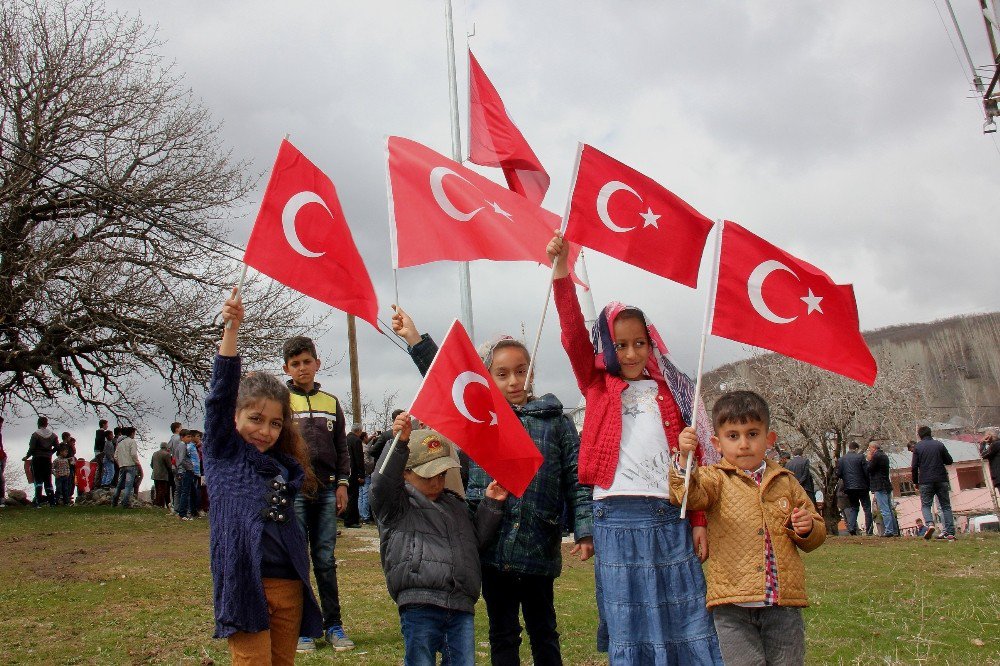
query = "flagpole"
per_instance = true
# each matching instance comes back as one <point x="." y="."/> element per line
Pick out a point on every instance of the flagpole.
<point x="709" y="301"/>
<point x="239" y="290"/>
<point x="529" y="380"/>
<point x="464" y="280"/>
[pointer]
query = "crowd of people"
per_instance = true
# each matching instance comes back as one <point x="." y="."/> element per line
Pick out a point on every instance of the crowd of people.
<point x="277" y="465"/>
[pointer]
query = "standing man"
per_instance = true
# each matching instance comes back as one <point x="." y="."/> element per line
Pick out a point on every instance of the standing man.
<point x="881" y="486"/>
<point x="852" y="468"/>
<point x="41" y="446"/>
<point x="930" y="474"/>
<point x="159" y="468"/>
<point x="321" y="422"/>
<point x="100" y="437"/>
<point x="127" y="457"/>
<point x="178" y="451"/>
<point x="989" y="450"/>
<point x="3" y="468"/>
<point x="356" y="451"/>
<point x="798" y="465"/>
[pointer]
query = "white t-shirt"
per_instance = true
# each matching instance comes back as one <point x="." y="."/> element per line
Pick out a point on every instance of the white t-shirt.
<point x="644" y="457"/>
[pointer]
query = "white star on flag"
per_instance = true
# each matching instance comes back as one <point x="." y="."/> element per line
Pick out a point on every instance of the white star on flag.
<point x="649" y="219"/>
<point x="500" y="211"/>
<point x="813" y="302"/>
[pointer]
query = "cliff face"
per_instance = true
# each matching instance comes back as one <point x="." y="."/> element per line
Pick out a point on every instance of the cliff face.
<point x="959" y="359"/>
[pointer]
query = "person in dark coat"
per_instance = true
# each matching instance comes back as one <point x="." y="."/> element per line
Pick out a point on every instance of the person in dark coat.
<point x="798" y="465"/>
<point x="853" y="469"/>
<point x="930" y="473"/>
<point x="881" y="487"/>
<point x="41" y="446"/>
<point x="990" y="451"/>
<point x="356" y="452"/>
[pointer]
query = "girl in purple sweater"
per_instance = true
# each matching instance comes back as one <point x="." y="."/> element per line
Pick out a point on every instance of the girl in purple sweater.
<point x="255" y="463"/>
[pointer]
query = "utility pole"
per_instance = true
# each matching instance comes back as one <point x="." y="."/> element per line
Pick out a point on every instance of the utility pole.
<point x="352" y="351"/>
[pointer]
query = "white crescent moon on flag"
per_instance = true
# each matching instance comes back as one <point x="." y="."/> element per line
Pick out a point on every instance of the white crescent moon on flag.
<point x="458" y="394"/>
<point x="437" y="190"/>
<point x="755" y="286"/>
<point x="602" y="204"/>
<point x="288" y="214"/>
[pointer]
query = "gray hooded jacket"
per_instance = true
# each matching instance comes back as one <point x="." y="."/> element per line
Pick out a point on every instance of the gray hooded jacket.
<point x="429" y="550"/>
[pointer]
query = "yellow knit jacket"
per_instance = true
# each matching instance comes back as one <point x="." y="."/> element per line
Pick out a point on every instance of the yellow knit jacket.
<point x="737" y="510"/>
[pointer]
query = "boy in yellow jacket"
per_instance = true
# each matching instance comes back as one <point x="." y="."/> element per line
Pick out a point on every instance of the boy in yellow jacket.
<point x="758" y="519"/>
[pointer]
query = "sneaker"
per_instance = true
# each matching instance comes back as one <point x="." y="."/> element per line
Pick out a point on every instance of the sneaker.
<point x="337" y="639"/>
<point x="186" y="518"/>
<point x="929" y="534"/>
<point x="306" y="644"/>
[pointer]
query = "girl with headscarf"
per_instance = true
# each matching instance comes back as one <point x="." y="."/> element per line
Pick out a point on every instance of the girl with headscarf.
<point x="649" y="582"/>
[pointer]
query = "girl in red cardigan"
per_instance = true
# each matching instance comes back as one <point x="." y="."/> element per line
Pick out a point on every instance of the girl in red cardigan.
<point x="649" y="583"/>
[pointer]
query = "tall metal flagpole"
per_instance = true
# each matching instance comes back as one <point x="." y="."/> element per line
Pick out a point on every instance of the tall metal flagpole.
<point x="464" y="281"/>
<point x="712" y="286"/>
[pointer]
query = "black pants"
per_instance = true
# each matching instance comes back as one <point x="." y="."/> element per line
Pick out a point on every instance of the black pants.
<point x="856" y="498"/>
<point x="508" y="593"/>
<point x="352" y="516"/>
<point x="41" y="469"/>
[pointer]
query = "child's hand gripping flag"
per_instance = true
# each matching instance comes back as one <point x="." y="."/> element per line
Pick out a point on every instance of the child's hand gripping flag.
<point x="459" y="399"/>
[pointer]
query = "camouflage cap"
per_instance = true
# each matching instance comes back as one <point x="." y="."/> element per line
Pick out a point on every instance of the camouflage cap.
<point x="430" y="454"/>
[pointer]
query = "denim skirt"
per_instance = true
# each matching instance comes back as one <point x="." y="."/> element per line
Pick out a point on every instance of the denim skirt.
<point x="650" y="586"/>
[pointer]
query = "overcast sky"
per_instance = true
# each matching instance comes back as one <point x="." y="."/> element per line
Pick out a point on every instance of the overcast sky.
<point x="842" y="132"/>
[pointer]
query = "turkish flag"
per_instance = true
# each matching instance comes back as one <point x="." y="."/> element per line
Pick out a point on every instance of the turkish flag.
<point x="495" y="141"/>
<point x="768" y="298"/>
<point x="301" y="238"/>
<point x="618" y="211"/>
<point x="85" y="472"/>
<point x="459" y="399"/>
<point x="442" y="211"/>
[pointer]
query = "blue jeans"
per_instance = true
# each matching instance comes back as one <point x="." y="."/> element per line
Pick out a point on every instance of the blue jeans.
<point x="884" y="500"/>
<point x="185" y="496"/>
<point x="64" y="489"/>
<point x="428" y="630"/>
<point x="318" y="520"/>
<point x="126" y="479"/>
<point x="941" y="490"/>
<point x="363" y="508"/>
<point x="107" y="472"/>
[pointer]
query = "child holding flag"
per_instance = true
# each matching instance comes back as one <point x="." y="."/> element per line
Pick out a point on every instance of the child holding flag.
<point x="759" y="517"/>
<point x="649" y="582"/>
<point x="430" y="545"/>
<point x="256" y="463"/>
<point x="520" y="567"/>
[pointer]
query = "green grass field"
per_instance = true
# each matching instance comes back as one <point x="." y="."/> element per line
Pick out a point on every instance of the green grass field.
<point x="97" y="586"/>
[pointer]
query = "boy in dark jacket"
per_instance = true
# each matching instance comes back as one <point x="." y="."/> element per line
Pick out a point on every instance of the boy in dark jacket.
<point x="430" y="545"/>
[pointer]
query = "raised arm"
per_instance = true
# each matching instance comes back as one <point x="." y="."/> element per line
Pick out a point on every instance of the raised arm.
<point x="575" y="337"/>
<point x="388" y="493"/>
<point x="421" y="347"/>
<point x="221" y="440"/>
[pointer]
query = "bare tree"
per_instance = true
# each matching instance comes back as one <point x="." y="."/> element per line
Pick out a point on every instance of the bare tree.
<point x="115" y="198"/>
<point x="823" y="412"/>
<point x="376" y="414"/>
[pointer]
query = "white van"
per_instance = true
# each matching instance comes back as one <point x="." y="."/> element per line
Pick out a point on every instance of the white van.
<point x="987" y="523"/>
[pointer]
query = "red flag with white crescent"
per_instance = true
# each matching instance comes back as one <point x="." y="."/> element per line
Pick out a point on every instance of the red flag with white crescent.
<point x="626" y="215"/>
<point x="495" y="141"/>
<point x="459" y="399"/>
<point x="769" y="298"/>
<point x="301" y="238"/>
<point x="85" y="472"/>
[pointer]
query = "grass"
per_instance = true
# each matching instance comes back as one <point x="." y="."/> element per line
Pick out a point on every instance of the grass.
<point x="97" y="586"/>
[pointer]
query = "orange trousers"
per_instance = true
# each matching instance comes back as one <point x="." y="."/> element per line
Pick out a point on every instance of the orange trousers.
<point x="274" y="646"/>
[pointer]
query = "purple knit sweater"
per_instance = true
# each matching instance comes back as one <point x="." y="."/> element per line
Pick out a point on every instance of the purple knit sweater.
<point x="237" y="475"/>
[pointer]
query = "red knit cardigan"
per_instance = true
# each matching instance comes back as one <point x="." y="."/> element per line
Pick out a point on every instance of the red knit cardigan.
<point x="600" y="441"/>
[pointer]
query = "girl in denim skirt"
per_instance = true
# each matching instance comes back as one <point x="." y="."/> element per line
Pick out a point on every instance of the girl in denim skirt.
<point x="649" y="582"/>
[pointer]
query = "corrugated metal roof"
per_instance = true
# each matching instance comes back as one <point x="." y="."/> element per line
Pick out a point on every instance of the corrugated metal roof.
<point x="959" y="451"/>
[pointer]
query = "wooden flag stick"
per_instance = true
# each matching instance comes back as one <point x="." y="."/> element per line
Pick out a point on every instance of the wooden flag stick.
<point x="529" y="380"/>
<point x="709" y="302"/>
